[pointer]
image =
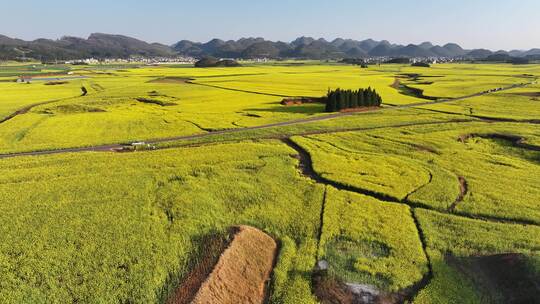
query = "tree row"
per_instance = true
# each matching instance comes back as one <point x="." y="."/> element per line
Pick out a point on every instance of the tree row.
<point x="339" y="99"/>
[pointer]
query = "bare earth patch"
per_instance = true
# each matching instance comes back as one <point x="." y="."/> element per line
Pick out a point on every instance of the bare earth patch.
<point x="463" y="189"/>
<point x="214" y="245"/>
<point x="331" y="290"/>
<point x="243" y="270"/>
<point x="294" y="101"/>
<point x="172" y="80"/>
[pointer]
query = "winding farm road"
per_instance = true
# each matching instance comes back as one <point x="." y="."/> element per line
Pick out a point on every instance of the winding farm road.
<point x="111" y="147"/>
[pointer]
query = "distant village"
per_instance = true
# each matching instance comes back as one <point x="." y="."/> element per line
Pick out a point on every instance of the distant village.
<point x="133" y="59"/>
<point x="192" y="60"/>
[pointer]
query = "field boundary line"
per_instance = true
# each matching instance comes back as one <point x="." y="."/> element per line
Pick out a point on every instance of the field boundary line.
<point x="385" y="198"/>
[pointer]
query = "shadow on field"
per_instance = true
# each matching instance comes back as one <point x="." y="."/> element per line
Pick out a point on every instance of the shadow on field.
<point x="182" y="289"/>
<point x="503" y="278"/>
<point x="528" y="152"/>
<point x="294" y="109"/>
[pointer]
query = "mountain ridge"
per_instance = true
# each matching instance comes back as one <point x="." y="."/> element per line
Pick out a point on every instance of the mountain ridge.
<point x="100" y="45"/>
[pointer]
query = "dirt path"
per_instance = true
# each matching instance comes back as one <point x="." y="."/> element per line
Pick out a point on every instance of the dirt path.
<point x="242" y="272"/>
<point x="463" y="190"/>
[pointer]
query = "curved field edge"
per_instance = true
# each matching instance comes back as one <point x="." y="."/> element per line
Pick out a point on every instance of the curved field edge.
<point x="359" y="160"/>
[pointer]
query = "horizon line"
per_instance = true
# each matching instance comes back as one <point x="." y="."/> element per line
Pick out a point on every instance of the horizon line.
<point x="261" y="37"/>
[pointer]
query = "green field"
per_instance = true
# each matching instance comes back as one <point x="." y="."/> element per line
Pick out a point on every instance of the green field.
<point x="399" y="198"/>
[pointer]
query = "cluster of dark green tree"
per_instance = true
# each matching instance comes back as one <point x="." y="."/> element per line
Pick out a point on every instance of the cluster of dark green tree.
<point x="339" y="99"/>
<point x="421" y="64"/>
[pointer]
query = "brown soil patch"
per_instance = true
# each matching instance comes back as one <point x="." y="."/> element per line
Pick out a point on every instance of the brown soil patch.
<point x="463" y="189"/>
<point x="503" y="278"/>
<point x="292" y="101"/>
<point x="396" y="84"/>
<point x="213" y="246"/>
<point x="243" y="270"/>
<point x="331" y="290"/>
<point x="173" y="80"/>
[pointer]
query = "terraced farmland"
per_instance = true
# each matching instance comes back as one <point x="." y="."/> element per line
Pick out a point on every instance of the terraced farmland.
<point x="419" y="200"/>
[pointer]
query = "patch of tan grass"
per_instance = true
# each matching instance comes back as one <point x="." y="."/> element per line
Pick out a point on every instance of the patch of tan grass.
<point x="243" y="270"/>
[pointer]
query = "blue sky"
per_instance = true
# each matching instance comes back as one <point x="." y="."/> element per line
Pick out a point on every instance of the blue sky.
<point x="493" y="24"/>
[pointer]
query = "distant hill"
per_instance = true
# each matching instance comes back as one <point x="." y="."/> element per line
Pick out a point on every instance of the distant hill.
<point x="426" y="45"/>
<point x="479" y="53"/>
<point x="318" y="49"/>
<point x="455" y="49"/>
<point x="533" y="52"/>
<point x="263" y="49"/>
<point x="97" y="46"/>
<point x="441" y="51"/>
<point x="118" y="46"/>
<point x="412" y="50"/>
<point x="311" y="48"/>
<point x="384" y="48"/>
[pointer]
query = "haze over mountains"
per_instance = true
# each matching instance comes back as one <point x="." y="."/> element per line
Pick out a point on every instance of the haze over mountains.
<point x="117" y="46"/>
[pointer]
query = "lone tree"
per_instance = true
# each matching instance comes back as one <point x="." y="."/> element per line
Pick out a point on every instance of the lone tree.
<point x="339" y="99"/>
